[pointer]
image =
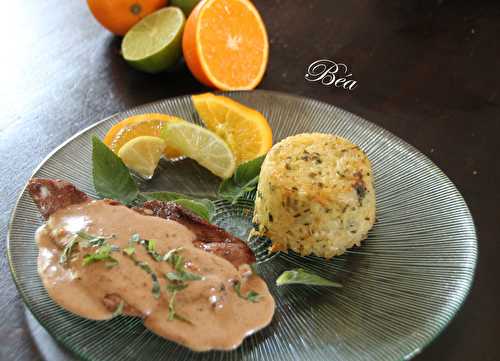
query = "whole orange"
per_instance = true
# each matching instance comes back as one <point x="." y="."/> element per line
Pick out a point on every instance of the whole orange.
<point x="118" y="16"/>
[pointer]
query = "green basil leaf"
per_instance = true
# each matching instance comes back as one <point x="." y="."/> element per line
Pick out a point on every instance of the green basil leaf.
<point x="301" y="276"/>
<point x="112" y="178"/>
<point x="244" y="180"/>
<point x="231" y="192"/>
<point x="248" y="171"/>
<point x="202" y="207"/>
<point x="197" y="208"/>
<point x="210" y="207"/>
<point x="163" y="196"/>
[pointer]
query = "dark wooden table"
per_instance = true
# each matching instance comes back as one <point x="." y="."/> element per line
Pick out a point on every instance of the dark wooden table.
<point x="427" y="70"/>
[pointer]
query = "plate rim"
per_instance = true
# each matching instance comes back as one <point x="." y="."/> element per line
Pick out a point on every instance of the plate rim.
<point x="474" y="251"/>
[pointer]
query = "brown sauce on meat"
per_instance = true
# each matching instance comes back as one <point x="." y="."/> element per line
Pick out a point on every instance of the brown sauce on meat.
<point x="217" y="317"/>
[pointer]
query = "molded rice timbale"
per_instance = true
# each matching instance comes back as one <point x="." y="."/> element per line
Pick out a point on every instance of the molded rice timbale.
<point x="315" y="195"/>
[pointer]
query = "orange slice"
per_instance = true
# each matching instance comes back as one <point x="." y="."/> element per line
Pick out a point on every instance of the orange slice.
<point x="244" y="129"/>
<point x="149" y="124"/>
<point x="225" y="44"/>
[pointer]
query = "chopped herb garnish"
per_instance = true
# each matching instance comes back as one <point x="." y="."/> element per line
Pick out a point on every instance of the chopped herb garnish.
<point x="172" y="256"/>
<point x="177" y="262"/>
<point x="171" y="306"/>
<point x="156" y="290"/>
<point x="102" y="254"/>
<point x="177" y="279"/>
<point x="90" y="240"/>
<point x="129" y="251"/>
<point x="85" y="240"/>
<point x="149" y="245"/>
<point x="156" y="286"/>
<point x="68" y="249"/>
<point x="183" y="276"/>
<point x="251" y="296"/>
<point x="172" y="315"/>
<point x="301" y="276"/>
<point x="119" y="309"/>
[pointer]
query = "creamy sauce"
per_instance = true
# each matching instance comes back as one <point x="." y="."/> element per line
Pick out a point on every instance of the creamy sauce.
<point x="219" y="318"/>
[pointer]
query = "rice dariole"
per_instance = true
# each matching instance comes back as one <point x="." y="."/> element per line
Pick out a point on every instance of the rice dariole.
<point x="315" y="195"/>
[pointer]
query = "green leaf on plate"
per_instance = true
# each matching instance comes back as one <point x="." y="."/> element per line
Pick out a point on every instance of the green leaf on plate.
<point x="204" y="208"/>
<point x="247" y="171"/>
<point x="197" y="207"/>
<point x="301" y="276"/>
<point x="163" y="196"/>
<point x="112" y="178"/>
<point x="244" y="180"/>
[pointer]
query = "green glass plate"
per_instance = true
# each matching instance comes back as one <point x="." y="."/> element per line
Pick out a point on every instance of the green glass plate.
<point x="401" y="287"/>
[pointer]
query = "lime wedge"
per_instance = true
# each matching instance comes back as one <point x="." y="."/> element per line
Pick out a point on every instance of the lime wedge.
<point x="154" y="43"/>
<point x="142" y="154"/>
<point x="202" y="145"/>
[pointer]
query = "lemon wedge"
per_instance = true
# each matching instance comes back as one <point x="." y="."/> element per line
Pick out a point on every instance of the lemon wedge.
<point x="142" y="154"/>
<point x="139" y="125"/>
<point x="202" y="145"/>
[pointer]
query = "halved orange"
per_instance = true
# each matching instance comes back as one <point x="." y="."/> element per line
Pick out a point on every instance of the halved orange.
<point x="244" y="129"/>
<point x="225" y="44"/>
<point x="149" y="124"/>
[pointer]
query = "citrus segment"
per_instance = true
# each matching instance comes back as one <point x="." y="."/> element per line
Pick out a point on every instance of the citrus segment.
<point x="202" y="145"/>
<point x="154" y="43"/>
<point x="245" y="130"/>
<point x="140" y="125"/>
<point x="142" y="154"/>
<point x="225" y="44"/>
<point x="118" y="16"/>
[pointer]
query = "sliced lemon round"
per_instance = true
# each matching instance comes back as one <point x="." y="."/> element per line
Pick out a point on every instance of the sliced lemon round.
<point x="142" y="154"/>
<point x="202" y="145"/>
<point x="245" y="129"/>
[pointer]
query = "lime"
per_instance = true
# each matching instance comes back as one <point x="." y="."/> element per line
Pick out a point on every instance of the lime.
<point x="154" y="43"/>
<point x="202" y="145"/>
<point x="186" y="5"/>
<point x="142" y="154"/>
